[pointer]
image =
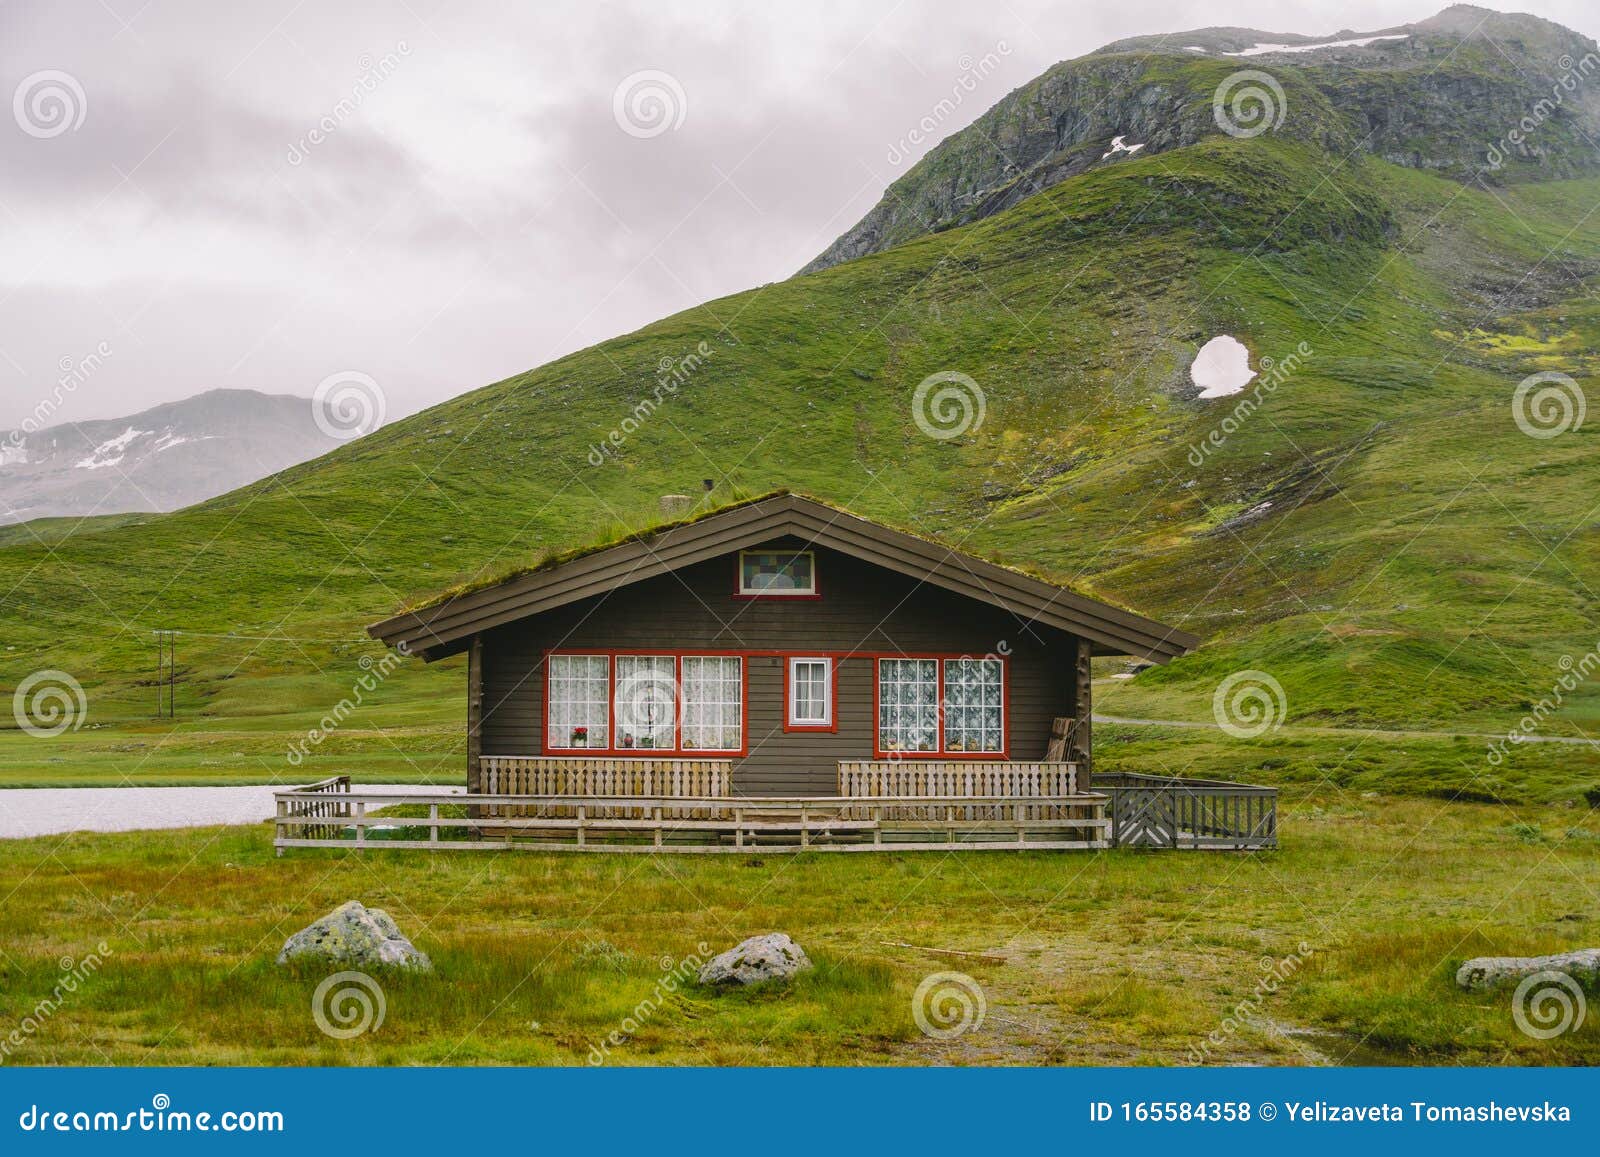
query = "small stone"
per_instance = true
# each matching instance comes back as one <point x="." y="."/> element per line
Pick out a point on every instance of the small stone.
<point x="354" y="934"/>
<point x="1489" y="972"/>
<point x="756" y="961"/>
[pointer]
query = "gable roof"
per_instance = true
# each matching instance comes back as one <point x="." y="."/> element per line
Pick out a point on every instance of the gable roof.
<point x="445" y="627"/>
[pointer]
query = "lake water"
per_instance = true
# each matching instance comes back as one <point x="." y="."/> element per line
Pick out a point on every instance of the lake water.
<point x="46" y="811"/>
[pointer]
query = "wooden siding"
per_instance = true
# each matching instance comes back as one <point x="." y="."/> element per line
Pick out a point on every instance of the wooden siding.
<point x="865" y="611"/>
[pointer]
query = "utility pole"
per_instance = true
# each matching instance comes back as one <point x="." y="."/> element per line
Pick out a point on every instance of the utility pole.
<point x="166" y="673"/>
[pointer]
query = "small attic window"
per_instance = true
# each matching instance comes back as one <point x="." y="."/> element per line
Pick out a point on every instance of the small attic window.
<point x="777" y="574"/>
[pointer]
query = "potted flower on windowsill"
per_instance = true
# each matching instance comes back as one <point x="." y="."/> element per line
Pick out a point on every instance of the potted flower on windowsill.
<point x="580" y="737"/>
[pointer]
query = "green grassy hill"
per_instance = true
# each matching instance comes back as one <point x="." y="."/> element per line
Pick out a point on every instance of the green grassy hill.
<point x="1380" y="535"/>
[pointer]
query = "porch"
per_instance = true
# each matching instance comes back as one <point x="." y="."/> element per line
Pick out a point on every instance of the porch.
<point x="539" y="803"/>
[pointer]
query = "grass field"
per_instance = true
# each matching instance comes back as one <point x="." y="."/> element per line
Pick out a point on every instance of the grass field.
<point x="1340" y="947"/>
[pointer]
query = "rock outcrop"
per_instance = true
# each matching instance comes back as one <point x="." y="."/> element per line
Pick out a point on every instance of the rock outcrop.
<point x="756" y="961"/>
<point x="1485" y="973"/>
<point x="357" y="936"/>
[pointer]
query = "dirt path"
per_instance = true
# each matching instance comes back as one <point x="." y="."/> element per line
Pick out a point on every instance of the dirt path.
<point x="1071" y="1002"/>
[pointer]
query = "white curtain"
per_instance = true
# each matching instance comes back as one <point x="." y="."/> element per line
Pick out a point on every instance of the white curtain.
<point x="580" y="701"/>
<point x="713" y="703"/>
<point x="908" y="705"/>
<point x="647" y="702"/>
<point x="973" y="696"/>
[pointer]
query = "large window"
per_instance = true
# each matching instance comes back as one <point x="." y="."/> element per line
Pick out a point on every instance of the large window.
<point x="908" y="704"/>
<point x="647" y="702"/>
<point x="632" y="704"/>
<point x="777" y="574"/>
<point x="713" y="703"/>
<point x="973" y="706"/>
<point x="941" y="706"/>
<point x="809" y="696"/>
<point x="579" y="711"/>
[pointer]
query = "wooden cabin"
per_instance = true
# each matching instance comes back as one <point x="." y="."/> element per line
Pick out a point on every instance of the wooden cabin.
<point x="778" y="648"/>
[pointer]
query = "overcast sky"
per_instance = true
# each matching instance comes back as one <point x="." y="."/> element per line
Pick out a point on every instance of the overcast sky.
<point x="479" y="202"/>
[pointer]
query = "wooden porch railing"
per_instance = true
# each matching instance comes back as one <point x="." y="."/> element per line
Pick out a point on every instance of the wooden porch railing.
<point x="1011" y="780"/>
<point x="588" y="777"/>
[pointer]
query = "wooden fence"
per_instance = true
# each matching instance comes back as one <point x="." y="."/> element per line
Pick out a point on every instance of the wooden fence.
<point x="1149" y="811"/>
<point x="609" y="824"/>
<point x="322" y="807"/>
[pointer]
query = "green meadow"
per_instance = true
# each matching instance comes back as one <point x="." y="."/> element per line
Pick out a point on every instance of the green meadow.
<point x="1340" y="948"/>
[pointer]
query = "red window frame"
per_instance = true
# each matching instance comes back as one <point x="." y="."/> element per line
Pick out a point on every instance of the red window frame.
<point x="833" y="692"/>
<point x="940" y="753"/>
<point x="741" y="595"/>
<point x="677" y="751"/>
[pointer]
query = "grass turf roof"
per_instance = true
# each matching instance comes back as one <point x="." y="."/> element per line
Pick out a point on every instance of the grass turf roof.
<point x="549" y="559"/>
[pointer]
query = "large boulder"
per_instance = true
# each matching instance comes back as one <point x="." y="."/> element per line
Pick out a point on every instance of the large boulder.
<point x="354" y="934"/>
<point x="1489" y="972"/>
<point x="756" y="961"/>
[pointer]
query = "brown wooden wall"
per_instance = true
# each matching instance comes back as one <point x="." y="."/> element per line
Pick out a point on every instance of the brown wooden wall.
<point x="863" y="608"/>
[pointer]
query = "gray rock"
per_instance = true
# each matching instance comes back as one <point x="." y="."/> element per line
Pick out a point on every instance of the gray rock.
<point x="1489" y="972"/>
<point x="357" y="935"/>
<point x="755" y="961"/>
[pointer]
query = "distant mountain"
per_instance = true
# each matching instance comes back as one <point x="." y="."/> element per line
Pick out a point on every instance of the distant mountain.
<point x="1469" y="93"/>
<point x="162" y="459"/>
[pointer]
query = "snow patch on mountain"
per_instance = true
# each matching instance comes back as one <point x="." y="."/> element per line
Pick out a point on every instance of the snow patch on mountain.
<point x="1222" y="367"/>
<point x="1118" y="147"/>
<point x="112" y="451"/>
<point x="1358" y="42"/>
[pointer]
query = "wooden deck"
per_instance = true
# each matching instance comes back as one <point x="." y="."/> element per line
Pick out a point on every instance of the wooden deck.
<point x="882" y="806"/>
